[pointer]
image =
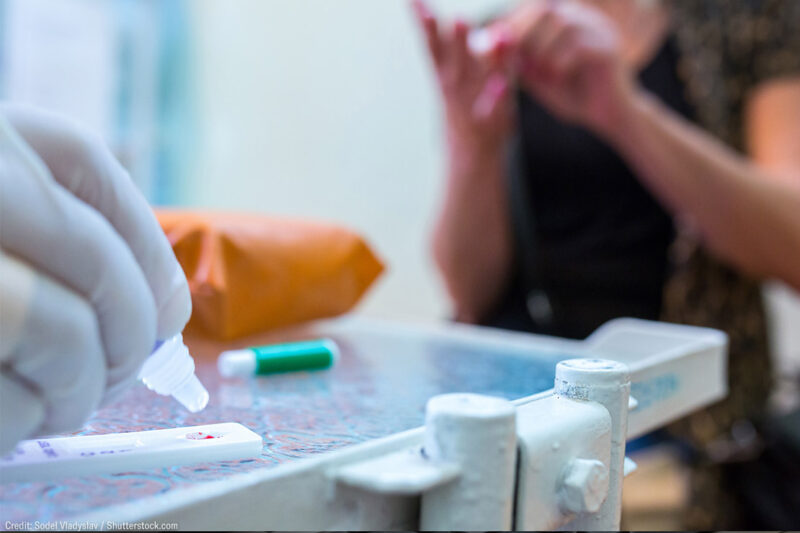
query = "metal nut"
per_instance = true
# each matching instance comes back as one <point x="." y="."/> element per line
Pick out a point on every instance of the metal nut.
<point x="584" y="486"/>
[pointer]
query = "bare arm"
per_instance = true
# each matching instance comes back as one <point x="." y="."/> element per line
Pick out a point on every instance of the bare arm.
<point x="472" y="238"/>
<point x="746" y="210"/>
<point x="472" y="242"/>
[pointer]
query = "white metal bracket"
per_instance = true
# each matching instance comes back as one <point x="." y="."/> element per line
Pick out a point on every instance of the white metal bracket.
<point x="564" y="458"/>
<point x="408" y="472"/>
<point x="465" y="472"/>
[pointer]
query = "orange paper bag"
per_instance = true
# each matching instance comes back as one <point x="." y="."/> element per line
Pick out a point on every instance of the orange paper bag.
<point x="251" y="273"/>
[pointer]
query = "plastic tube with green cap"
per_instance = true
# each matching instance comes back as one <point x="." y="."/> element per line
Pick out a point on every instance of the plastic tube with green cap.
<point x="278" y="358"/>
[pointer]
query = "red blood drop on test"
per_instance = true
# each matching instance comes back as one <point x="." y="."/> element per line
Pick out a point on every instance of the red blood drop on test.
<point x="200" y="436"/>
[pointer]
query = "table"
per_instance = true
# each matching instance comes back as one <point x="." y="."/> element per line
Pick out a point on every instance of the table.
<point x="379" y="387"/>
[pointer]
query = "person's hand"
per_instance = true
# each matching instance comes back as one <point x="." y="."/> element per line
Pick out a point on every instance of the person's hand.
<point x="475" y="90"/>
<point x="569" y="58"/>
<point x="88" y="280"/>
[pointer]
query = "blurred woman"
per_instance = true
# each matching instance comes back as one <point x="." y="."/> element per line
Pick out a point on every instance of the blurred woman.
<point x="587" y="135"/>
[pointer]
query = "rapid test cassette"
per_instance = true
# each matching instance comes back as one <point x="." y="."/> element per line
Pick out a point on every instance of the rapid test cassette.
<point x="50" y="458"/>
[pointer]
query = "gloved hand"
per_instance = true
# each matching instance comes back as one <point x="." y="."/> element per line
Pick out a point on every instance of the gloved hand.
<point x="88" y="280"/>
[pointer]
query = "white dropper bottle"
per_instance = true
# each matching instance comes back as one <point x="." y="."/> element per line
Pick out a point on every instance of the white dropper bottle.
<point x="169" y="371"/>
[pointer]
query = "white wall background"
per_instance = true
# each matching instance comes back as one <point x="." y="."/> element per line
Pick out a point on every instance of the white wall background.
<point x="327" y="109"/>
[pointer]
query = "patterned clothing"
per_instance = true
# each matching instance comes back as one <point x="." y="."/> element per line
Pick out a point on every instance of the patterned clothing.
<point x="728" y="47"/>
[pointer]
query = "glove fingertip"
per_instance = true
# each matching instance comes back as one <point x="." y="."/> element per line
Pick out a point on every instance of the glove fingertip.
<point x="175" y="308"/>
<point x="21" y="411"/>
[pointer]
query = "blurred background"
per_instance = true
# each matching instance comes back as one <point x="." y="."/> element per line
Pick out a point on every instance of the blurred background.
<point x="310" y="108"/>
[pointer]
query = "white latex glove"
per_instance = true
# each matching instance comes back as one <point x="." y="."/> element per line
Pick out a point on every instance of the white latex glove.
<point x="88" y="280"/>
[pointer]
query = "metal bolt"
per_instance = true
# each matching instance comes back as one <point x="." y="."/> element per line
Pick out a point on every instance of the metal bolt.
<point x="607" y="383"/>
<point x="584" y="486"/>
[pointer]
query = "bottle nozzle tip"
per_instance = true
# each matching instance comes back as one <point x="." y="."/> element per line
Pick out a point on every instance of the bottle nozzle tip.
<point x="192" y="395"/>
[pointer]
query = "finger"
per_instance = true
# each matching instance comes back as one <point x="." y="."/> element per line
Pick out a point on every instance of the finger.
<point x="525" y="20"/>
<point x="558" y="35"/>
<point x="555" y="49"/>
<point x="57" y="234"/>
<point x="459" y="50"/>
<point x="532" y="71"/>
<point x="503" y="57"/>
<point x="492" y="97"/>
<point x="82" y="164"/>
<point x="546" y="28"/>
<point x="54" y="355"/>
<point x="564" y="59"/>
<point x="21" y="412"/>
<point x="430" y="27"/>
